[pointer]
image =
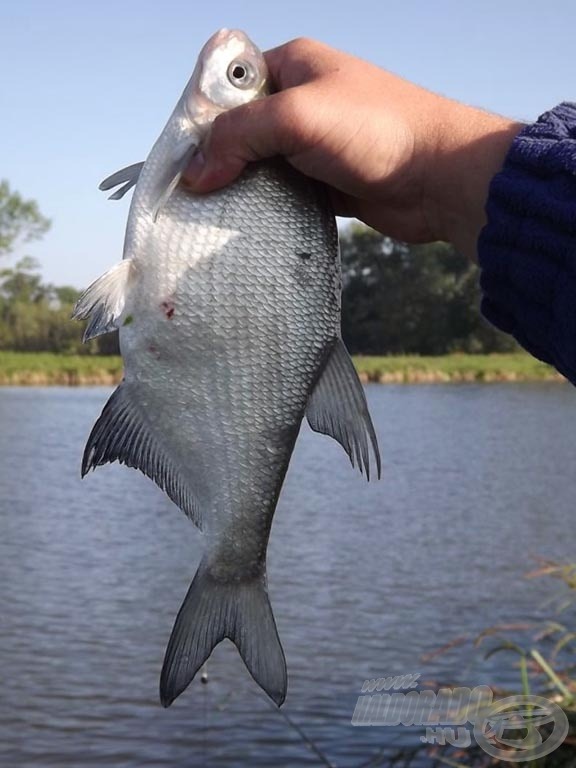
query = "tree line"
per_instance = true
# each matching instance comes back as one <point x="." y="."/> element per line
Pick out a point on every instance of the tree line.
<point x="412" y="299"/>
<point x="35" y="315"/>
<point x="396" y="298"/>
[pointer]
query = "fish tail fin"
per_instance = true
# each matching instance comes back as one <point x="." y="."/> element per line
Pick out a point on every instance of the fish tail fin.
<point x="215" y="609"/>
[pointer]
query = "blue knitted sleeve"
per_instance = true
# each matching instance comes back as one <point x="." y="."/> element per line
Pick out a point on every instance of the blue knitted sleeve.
<point x="527" y="250"/>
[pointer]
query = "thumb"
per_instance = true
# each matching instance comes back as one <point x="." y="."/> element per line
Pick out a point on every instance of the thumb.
<point x="254" y="131"/>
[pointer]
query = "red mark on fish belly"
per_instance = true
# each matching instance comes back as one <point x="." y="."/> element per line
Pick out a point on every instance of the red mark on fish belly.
<point x="154" y="351"/>
<point x="168" y="309"/>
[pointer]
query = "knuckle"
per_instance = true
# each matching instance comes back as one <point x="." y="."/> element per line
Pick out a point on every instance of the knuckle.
<point x="292" y="119"/>
<point x="229" y="137"/>
<point x="301" y="60"/>
<point x="222" y="133"/>
<point x="299" y="47"/>
<point x="302" y="43"/>
<point x="221" y="125"/>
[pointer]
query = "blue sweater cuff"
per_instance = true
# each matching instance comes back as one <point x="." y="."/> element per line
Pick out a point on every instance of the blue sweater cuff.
<point x="527" y="250"/>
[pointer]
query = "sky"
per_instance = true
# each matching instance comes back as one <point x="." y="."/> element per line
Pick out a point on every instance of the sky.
<point x="86" y="86"/>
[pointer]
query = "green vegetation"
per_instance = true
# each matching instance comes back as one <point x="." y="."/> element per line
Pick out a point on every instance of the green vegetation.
<point x="20" y="220"/>
<point x="400" y="299"/>
<point x="515" y="366"/>
<point x="43" y="368"/>
<point x="35" y="316"/>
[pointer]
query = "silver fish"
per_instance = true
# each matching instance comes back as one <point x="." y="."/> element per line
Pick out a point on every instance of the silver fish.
<point x="228" y="307"/>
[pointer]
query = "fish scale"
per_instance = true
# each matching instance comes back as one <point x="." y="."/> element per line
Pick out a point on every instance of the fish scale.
<point x="228" y="308"/>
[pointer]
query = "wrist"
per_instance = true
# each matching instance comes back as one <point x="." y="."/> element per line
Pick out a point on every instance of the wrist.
<point x="469" y="149"/>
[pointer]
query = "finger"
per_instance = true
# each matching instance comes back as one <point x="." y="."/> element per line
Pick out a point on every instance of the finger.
<point x="300" y="61"/>
<point x="275" y="125"/>
<point x="255" y="131"/>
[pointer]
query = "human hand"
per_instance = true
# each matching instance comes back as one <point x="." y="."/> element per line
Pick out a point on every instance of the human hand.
<point x="410" y="163"/>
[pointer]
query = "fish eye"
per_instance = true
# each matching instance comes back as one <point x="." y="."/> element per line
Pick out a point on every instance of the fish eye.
<point x="241" y="74"/>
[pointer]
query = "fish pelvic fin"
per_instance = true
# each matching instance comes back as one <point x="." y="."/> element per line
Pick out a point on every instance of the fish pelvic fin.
<point x="126" y="176"/>
<point x="213" y="610"/>
<point x="102" y="303"/>
<point x="122" y="433"/>
<point x="338" y="407"/>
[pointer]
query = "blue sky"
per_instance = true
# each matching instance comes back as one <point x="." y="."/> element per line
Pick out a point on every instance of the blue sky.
<point x="87" y="86"/>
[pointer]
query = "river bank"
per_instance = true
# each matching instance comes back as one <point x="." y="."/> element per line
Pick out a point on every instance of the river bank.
<point x="45" y="369"/>
<point x="413" y="369"/>
<point x="42" y="369"/>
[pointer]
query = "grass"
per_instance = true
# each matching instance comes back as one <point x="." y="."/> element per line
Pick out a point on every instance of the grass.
<point x="517" y="366"/>
<point x="44" y="369"/>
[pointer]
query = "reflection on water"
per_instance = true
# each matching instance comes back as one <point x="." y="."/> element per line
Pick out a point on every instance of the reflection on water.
<point x="364" y="579"/>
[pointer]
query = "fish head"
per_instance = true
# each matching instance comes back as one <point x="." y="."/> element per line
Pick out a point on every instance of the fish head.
<point x="230" y="71"/>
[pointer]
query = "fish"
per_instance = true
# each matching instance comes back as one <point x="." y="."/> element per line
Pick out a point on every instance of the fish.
<point x="228" y="311"/>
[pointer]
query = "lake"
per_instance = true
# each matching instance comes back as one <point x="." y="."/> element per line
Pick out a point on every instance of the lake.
<point x="366" y="580"/>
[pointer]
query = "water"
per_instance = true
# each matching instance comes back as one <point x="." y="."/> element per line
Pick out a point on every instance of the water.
<point x="365" y="580"/>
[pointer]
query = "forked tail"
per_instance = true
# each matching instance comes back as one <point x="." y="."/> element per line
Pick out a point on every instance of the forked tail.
<point x="213" y="610"/>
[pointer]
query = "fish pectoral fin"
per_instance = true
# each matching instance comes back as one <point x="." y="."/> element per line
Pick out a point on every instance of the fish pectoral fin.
<point x="213" y="610"/>
<point x="338" y="407"/>
<point x="126" y="176"/>
<point x="122" y="434"/>
<point x="172" y="177"/>
<point x="103" y="302"/>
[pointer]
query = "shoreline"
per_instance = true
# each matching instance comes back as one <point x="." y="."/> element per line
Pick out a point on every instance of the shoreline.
<point x="455" y="368"/>
<point x="46" y="369"/>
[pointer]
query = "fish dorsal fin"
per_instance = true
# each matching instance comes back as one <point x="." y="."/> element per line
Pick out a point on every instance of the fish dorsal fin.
<point x="338" y="407"/>
<point x="127" y="176"/>
<point x="122" y="434"/>
<point x="103" y="302"/>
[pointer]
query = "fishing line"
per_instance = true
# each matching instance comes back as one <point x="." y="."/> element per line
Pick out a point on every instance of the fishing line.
<point x="204" y="683"/>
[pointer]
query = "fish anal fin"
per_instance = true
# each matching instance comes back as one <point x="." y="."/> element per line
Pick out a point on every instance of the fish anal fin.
<point x="338" y="407"/>
<point x="102" y="303"/>
<point x="122" y="434"/>
<point x="213" y="610"/>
